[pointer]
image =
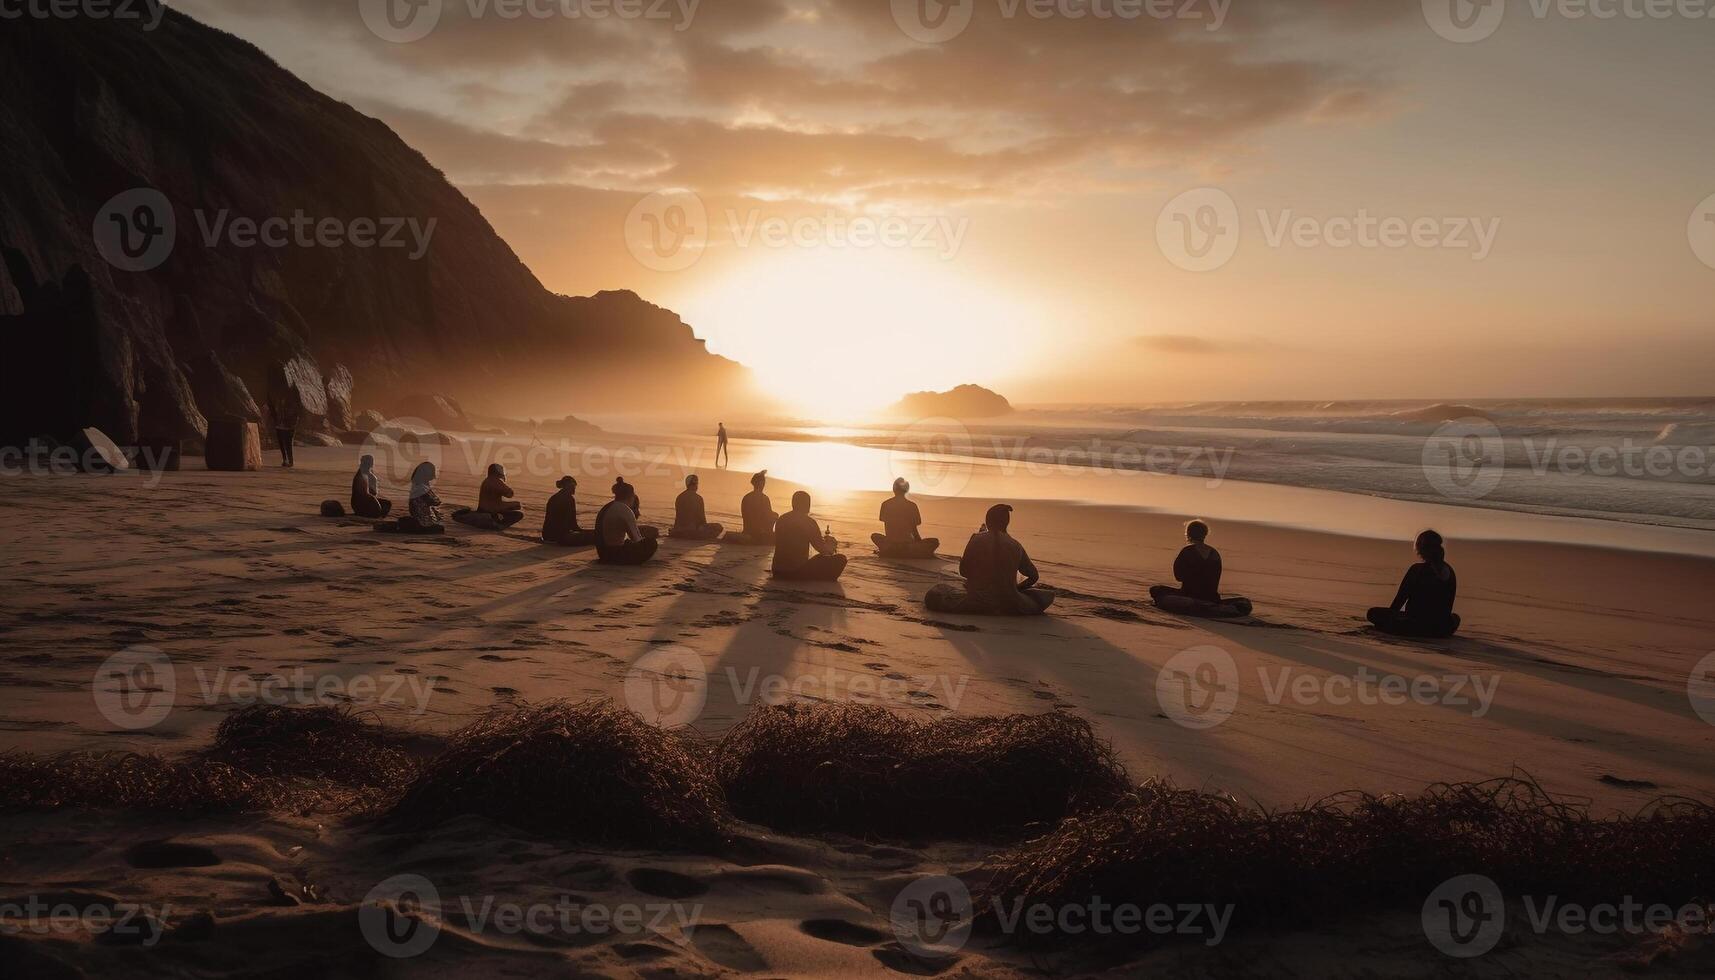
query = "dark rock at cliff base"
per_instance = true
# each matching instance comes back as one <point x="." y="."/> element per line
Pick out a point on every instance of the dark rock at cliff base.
<point x="339" y="385"/>
<point x="963" y="402"/>
<point x="200" y="129"/>
<point x="368" y="420"/>
<point x="439" y="411"/>
<point x="232" y="444"/>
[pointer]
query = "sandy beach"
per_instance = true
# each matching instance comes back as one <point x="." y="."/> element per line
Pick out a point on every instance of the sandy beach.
<point x="1572" y="667"/>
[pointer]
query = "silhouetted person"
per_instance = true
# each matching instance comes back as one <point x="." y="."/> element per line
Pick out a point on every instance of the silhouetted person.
<point x="720" y="445"/>
<point x="1423" y="607"/>
<point x="495" y="498"/>
<point x="758" y="514"/>
<point x="364" y="499"/>
<point x="795" y="534"/>
<point x="992" y="563"/>
<point x="900" y="520"/>
<point x="560" y="517"/>
<point x="424" y="515"/>
<point x="690" y="519"/>
<point x="284" y="409"/>
<point x="1198" y="569"/>
<point x="619" y="541"/>
<point x="647" y="530"/>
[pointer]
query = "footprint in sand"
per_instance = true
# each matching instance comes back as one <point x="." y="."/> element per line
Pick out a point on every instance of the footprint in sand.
<point x="841" y="931"/>
<point x="662" y="883"/>
<point x="170" y="854"/>
<point x="896" y="957"/>
<point x="727" y="948"/>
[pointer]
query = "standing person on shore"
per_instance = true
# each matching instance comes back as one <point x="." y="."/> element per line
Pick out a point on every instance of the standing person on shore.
<point x="284" y="409"/>
<point x="720" y="445"/>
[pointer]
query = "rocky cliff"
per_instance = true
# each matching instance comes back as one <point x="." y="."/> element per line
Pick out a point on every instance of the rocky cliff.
<point x="187" y="229"/>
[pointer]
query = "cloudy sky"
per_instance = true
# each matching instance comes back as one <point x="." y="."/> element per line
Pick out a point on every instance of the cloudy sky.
<point x="1082" y="200"/>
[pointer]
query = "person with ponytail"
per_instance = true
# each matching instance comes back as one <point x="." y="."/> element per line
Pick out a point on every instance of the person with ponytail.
<point x="1423" y="606"/>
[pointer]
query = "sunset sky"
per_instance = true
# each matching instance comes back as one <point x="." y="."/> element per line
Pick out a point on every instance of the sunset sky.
<point x="1555" y="175"/>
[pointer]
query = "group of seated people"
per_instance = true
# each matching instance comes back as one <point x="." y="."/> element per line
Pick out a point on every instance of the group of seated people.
<point x="999" y="577"/>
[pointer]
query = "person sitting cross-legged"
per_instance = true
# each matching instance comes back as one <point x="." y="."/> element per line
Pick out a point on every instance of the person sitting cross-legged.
<point x="560" y="517"/>
<point x="619" y="541"/>
<point x="795" y="535"/>
<point x="900" y="520"/>
<point x="690" y="520"/>
<point x="991" y="565"/>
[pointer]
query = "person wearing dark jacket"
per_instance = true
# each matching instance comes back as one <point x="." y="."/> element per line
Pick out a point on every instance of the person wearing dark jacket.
<point x="1423" y="606"/>
<point x="560" y="517"/>
<point x="1198" y="570"/>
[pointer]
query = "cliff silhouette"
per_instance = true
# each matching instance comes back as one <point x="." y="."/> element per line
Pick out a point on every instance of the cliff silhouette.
<point x="97" y="108"/>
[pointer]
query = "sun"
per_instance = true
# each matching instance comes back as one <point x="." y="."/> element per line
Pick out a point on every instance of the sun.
<point x="838" y="333"/>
